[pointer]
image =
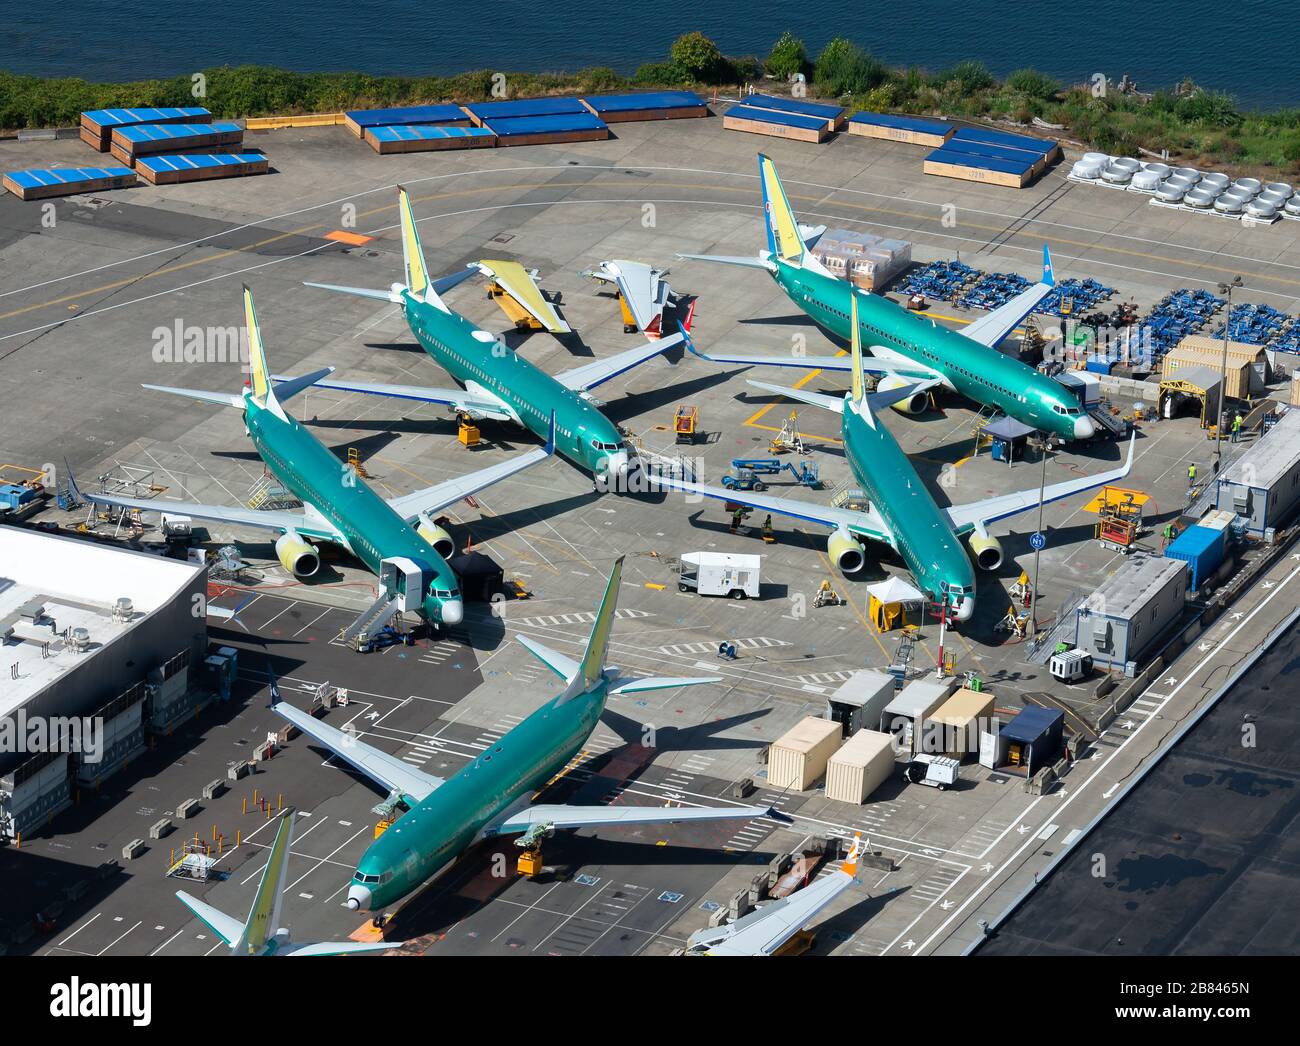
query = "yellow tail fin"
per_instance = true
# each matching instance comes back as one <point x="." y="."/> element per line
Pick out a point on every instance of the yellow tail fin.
<point x="261" y="375"/>
<point x="855" y="347"/>
<point x="417" y="273"/>
<point x="783" y="238"/>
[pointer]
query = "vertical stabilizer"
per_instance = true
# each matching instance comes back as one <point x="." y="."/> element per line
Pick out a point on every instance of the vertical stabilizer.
<point x="417" y="272"/>
<point x="855" y="348"/>
<point x="262" y="392"/>
<point x="593" y="661"/>
<point x="264" y="916"/>
<point x="783" y="239"/>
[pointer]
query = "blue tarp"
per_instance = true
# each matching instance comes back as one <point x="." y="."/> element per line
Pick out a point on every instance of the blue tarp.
<point x="121" y="117"/>
<point x="746" y="112"/>
<point x="956" y="157"/>
<point x="621" y="103"/>
<point x="510" y="126"/>
<point x="407" y="115"/>
<point x="66" y="175"/>
<point x="487" y="111"/>
<point x="425" y="132"/>
<point x="993" y="152"/>
<point x="795" y="105"/>
<point x="157" y="132"/>
<point x="1024" y="142"/>
<point x="197" y="161"/>
<point x="903" y="123"/>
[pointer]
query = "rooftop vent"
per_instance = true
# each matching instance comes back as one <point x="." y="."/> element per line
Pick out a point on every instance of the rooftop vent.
<point x="123" y="608"/>
<point x="79" y="640"/>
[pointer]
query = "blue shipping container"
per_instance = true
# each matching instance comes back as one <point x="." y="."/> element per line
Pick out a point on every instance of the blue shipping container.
<point x="1202" y="549"/>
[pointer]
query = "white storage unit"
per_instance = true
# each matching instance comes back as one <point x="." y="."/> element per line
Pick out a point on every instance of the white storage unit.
<point x="720" y="574"/>
<point x="860" y="700"/>
<point x="863" y="764"/>
<point x="1263" y="485"/>
<point x="1133" y="608"/>
<point x="798" y="758"/>
<point x="912" y="706"/>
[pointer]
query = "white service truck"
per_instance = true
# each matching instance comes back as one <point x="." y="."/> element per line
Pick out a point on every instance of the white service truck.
<point x="719" y="574"/>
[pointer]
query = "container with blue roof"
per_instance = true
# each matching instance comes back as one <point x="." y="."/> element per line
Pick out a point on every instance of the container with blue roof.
<point x="130" y="143"/>
<point x="833" y="115"/>
<point x="358" y="121"/>
<point x="913" y="130"/>
<point x="423" y="138"/>
<point x="41" y="184"/>
<point x="482" y="113"/>
<point x="548" y="129"/>
<point x="1031" y="741"/>
<point x="97" y="125"/>
<point x="198" y="167"/>
<point x="646" y="105"/>
<point x="794" y="127"/>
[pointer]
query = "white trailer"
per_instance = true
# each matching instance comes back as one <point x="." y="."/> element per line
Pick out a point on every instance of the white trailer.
<point x="719" y="574"/>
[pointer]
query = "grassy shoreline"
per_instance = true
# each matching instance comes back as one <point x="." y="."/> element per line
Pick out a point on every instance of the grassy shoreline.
<point x="1198" y="127"/>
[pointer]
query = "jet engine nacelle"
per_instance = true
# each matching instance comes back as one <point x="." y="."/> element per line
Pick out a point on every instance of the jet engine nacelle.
<point x="914" y="404"/>
<point x="437" y="537"/>
<point x="297" y="556"/>
<point x="987" y="551"/>
<point x="846" y="552"/>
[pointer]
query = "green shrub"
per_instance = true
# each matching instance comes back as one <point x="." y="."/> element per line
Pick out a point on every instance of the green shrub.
<point x="697" y="56"/>
<point x="787" y="58"/>
<point x="1033" y="83"/>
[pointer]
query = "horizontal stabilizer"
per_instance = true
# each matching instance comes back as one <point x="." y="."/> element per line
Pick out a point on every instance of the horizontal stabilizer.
<point x="228" y="928"/>
<point x="747" y="261"/>
<point x="224" y="399"/>
<point x="641" y="686"/>
<point x="815" y="399"/>
<point x="395" y="297"/>
<point x="589" y="375"/>
<point x="339" y="948"/>
<point x="561" y="664"/>
<point x="476" y="404"/>
<point x="287" y="388"/>
<point x="559" y="816"/>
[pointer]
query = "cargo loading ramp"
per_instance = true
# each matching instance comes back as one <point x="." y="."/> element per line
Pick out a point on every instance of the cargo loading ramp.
<point x="515" y="289"/>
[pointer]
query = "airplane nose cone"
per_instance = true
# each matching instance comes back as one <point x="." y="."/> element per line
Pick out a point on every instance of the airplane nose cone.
<point x="1084" y="428"/>
<point x="358" y="898"/>
<point x="964" y="610"/>
<point x="453" y="612"/>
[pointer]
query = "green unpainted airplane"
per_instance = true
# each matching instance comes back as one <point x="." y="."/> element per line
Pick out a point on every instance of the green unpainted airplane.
<point x="900" y="511"/>
<point x="492" y="795"/>
<point x="906" y="348"/>
<point x="497" y="382"/>
<point x="261" y="933"/>
<point x="396" y="538"/>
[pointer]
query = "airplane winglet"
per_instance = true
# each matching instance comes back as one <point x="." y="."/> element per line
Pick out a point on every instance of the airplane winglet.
<point x="689" y="342"/>
<point x="850" y="865"/>
<point x="1049" y="275"/>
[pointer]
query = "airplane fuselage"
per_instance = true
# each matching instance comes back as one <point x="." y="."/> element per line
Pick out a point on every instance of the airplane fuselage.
<point x="479" y="359"/>
<point x="976" y="371"/>
<point x="439" y="828"/>
<point x="374" y="532"/>
<point x="923" y="535"/>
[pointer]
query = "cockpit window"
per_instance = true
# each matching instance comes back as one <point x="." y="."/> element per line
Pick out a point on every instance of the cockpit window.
<point x="598" y="445"/>
<point x="444" y="593"/>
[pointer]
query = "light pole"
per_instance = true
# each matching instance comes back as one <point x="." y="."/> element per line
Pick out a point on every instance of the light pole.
<point x="1225" y="289"/>
<point x="1045" y="444"/>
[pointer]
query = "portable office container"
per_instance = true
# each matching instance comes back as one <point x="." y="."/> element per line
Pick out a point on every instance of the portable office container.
<point x="1120" y="621"/>
<point x="863" y="764"/>
<point x="1263" y="485"/>
<point x="954" y="728"/>
<point x="860" y="701"/>
<point x="197" y="167"/>
<point x="833" y="115"/>
<point x="128" y="143"/>
<point x="904" y="714"/>
<point x="798" y="758"/>
<point x="547" y="130"/>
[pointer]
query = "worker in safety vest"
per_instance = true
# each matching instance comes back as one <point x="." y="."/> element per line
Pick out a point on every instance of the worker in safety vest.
<point x="1191" y="475"/>
<point x="1236" y="428"/>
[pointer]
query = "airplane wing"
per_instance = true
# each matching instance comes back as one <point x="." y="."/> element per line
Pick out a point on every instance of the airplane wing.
<point x="764" y="931"/>
<point x="872" y="365"/>
<point x="332" y="948"/>
<point x="867" y="524"/>
<point x="440" y="495"/>
<point x="978" y="514"/>
<point x="390" y="771"/>
<point x="517" y="282"/>
<point x="589" y="375"/>
<point x="991" y="329"/>
<point x="560" y="816"/>
<point x="475" y="404"/>
<point x="308" y="526"/>
<point x="224" y="926"/>
<point x="642" y="288"/>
